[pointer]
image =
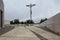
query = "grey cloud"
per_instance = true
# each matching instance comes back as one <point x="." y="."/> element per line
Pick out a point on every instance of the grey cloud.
<point x="43" y="8"/>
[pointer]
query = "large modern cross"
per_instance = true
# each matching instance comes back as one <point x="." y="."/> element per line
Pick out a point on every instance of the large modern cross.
<point x="30" y="6"/>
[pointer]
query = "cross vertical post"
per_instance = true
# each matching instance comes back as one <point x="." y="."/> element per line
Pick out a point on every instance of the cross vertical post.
<point x="30" y="6"/>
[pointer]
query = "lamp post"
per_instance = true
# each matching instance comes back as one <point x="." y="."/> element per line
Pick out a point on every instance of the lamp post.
<point x="30" y="6"/>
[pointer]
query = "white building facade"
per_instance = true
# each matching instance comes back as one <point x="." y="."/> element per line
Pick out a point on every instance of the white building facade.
<point x="1" y="13"/>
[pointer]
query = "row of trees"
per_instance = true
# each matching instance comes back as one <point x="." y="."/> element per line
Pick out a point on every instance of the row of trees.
<point x="16" y="21"/>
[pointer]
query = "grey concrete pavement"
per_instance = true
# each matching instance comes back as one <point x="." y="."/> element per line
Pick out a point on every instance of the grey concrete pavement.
<point x="44" y="34"/>
<point x="19" y="33"/>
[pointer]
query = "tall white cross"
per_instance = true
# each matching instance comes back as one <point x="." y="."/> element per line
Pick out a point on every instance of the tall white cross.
<point x="30" y="6"/>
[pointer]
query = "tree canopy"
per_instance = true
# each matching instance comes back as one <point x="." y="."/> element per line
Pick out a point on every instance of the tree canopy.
<point x="42" y="20"/>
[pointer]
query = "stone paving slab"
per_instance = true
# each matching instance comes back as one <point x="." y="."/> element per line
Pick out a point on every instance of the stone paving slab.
<point x="44" y="33"/>
<point x="17" y="38"/>
<point x="19" y="33"/>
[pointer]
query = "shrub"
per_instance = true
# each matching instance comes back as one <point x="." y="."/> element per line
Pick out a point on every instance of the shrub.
<point x="42" y="20"/>
<point x="29" y="22"/>
<point x="11" y="22"/>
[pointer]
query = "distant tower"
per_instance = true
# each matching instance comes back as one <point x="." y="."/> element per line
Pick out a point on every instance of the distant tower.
<point x="30" y="6"/>
<point x="1" y="13"/>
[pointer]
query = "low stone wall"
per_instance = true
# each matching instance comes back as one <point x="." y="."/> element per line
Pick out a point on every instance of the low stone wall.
<point x="53" y="23"/>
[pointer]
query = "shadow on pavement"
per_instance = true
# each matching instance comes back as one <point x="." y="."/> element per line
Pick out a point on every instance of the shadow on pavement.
<point x="6" y="29"/>
<point x="46" y="29"/>
<point x="39" y="36"/>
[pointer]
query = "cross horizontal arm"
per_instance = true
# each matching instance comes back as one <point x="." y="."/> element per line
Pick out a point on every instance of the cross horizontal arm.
<point x="28" y="5"/>
<point x="33" y="4"/>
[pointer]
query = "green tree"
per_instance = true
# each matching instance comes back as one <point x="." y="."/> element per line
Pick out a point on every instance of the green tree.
<point x="11" y="22"/>
<point x="16" y="21"/>
<point x="42" y="20"/>
<point x="46" y="19"/>
<point x="29" y="22"/>
<point x="21" y="22"/>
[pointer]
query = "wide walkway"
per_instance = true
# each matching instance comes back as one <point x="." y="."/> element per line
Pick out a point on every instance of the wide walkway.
<point x="19" y="33"/>
<point x="44" y="34"/>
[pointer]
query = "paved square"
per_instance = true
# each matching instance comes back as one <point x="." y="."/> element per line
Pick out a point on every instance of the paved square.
<point x="19" y="33"/>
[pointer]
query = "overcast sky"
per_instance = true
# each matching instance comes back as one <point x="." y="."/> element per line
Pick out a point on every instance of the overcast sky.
<point x="16" y="9"/>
